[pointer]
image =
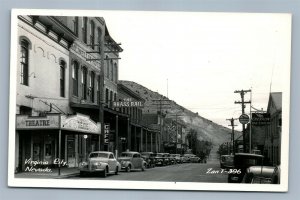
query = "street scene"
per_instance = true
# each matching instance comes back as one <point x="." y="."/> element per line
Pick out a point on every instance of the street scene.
<point x="95" y="102"/>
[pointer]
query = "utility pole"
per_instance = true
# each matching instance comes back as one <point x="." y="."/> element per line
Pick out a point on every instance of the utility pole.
<point x="232" y="133"/>
<point x="243" y="102"/>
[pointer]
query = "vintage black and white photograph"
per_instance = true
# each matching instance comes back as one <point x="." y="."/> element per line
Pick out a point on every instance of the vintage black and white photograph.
<point x="149" y="100"/>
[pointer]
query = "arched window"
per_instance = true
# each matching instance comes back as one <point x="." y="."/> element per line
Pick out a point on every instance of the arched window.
<point x="24" y="62"/>
<point x="92" y="36"/>
<point x="62" y="65"/>
<point x="75" y="68"/>
<point x="84" y="83"/>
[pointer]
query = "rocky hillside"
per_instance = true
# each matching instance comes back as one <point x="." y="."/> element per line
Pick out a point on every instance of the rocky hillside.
<point x="207" y="130"/>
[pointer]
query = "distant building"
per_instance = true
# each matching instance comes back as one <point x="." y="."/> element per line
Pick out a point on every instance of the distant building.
<point x="273" y="131"/>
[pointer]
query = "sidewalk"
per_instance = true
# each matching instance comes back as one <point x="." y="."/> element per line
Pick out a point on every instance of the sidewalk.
<point x="64" y="173"/>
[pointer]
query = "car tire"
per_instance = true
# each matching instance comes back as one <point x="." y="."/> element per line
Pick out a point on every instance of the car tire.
<point x="117" y="171"/>
<point x="143" y="167"/>
<point x="104" y="173"/>
<point x="82" y="173"/>
<point x="128" y="168"/>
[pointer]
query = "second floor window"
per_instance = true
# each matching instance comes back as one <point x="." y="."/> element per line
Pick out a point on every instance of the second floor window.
<point x="92" y="86"/>
<point x="99" y="32"/>
<point x="106" y="95"/>
<point x="62" y="78"/>
<point x="92" y="36"/>
<point x="75" y="25"/>
<point x="75" y="68"/>
<point x="24" y="62"/>
<point x="84" y="30"/>
<point x="98" y="89"/>
<point x="84" y="83"/>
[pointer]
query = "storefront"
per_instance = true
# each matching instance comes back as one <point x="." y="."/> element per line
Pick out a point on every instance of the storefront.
<point x="46" y="140"/>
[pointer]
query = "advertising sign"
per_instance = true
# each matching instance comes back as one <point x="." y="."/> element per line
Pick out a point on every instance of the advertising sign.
<point x="260" y="119"/>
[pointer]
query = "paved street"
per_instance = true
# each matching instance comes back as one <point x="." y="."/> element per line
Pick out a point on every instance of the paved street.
<point x="187" y="172"/>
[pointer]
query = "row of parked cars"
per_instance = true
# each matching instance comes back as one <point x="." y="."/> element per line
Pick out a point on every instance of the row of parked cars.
<point x="249" y="168"/>
<point x="105" y="162"/>
<point x="162" y="159"/>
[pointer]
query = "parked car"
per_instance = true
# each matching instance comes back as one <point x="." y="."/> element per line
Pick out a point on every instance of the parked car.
<point x="188" y="157"/>
<point x="161" y="160"/>
<point x="100" y="161"/>
<point x="184" y="159"/>
<point x="241" y="162"/>
<point x="226" y="161"/>
<point x="177" y="158"/>
<point x="195" y="159"/>
<point x="149" y="157"/>
<point x="171" y="158"/>
<point x="262" y="175"/>
<point x="132" y="160"/>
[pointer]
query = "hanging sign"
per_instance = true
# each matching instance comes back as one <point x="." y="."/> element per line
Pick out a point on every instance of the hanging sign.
<point x="80" y="123"/>
<point x="260" y="119"/>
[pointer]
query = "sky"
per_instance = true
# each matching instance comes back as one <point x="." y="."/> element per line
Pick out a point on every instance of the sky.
<point x="200" y="59"/>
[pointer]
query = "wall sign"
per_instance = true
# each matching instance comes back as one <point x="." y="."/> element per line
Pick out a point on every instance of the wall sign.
<point x="24" y="122"/>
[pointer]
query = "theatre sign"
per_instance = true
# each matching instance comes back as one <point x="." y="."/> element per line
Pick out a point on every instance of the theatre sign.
<point x="25" y="122"/>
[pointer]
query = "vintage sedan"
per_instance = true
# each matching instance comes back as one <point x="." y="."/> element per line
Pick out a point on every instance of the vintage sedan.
<point x="149" y="157"/>
<point x="195" y="159"/>
<point x="160" y="160"/>
<point x="132" y="160"/>
<point x="262" y="175"/>
<point x="100" y="161"/>
<point x="177" y="157"/>
<point x="241" y="162"/>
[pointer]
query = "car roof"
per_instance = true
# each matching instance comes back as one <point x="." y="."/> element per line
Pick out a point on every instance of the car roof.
<point x="226" y="155"/>
<point x="107" y="152"/>
<point x="249" y="155"/>
<point x="130" y="152"/>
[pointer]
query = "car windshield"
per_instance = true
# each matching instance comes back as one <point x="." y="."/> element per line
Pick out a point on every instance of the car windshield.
<point x="227" y="158"/>
<point x="126" y="155"/>
<point x="247" y="161"/>
<point x="98" y="155"/>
